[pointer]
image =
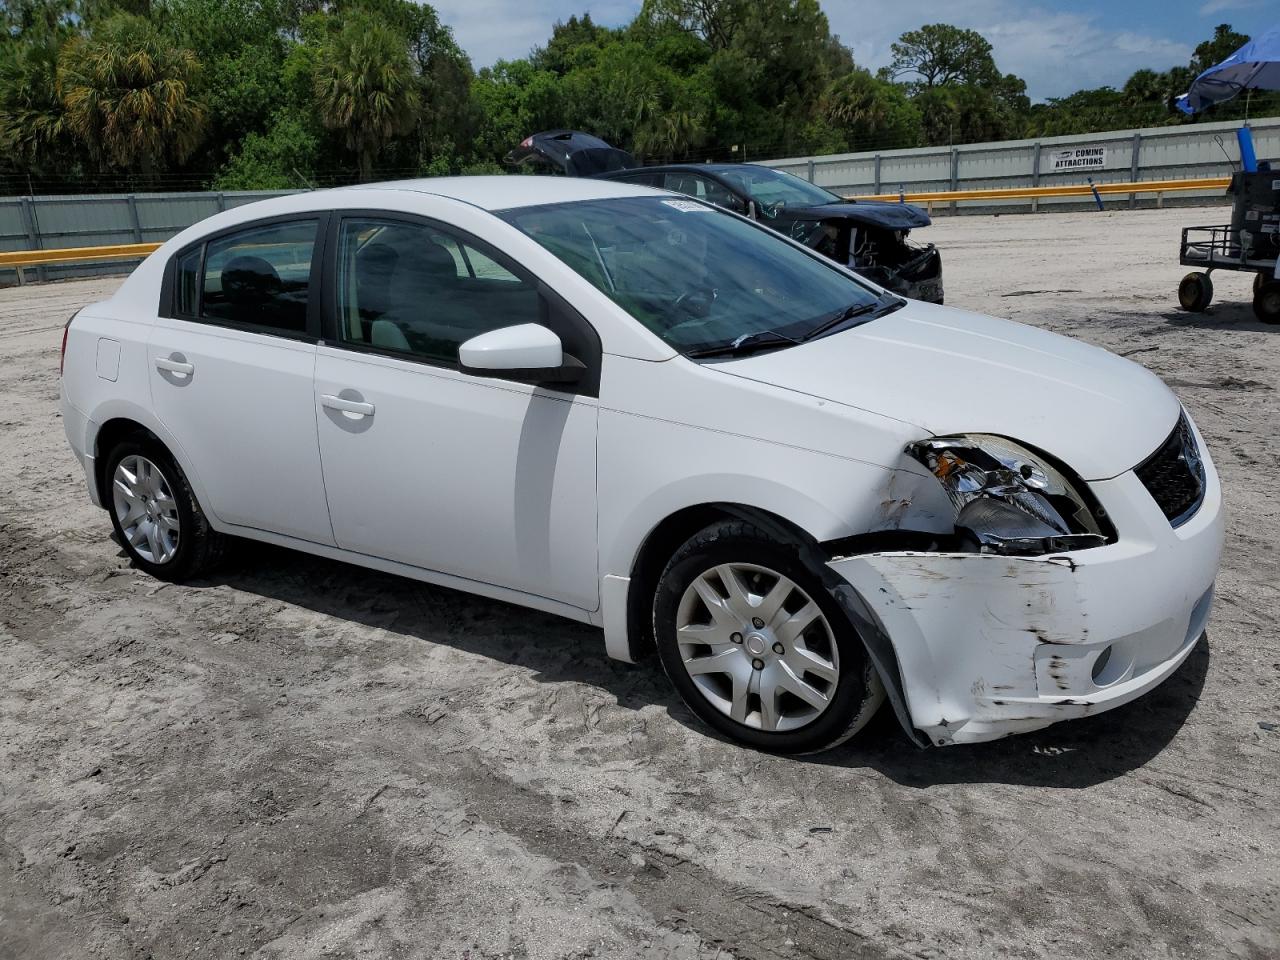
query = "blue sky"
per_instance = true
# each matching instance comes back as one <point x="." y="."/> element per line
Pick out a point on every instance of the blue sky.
<point x="1057" y="46"/>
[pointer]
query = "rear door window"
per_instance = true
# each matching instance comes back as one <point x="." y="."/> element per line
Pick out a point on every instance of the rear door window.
<point x="257" y="278"/>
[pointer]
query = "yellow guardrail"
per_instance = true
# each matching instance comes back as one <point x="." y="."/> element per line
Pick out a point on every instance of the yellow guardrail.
<point x="1048" y="193"/>
<point x="120" y="251"/>
<point x="17" y="259"/>
<point x="37" y="258"/>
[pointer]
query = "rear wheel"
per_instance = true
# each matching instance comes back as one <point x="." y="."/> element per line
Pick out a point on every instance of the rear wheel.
<point x="1266" y="302"/>
<point x="155" y="514"/>
<point x="1259" y="279"/>
<point x="757" y="647"/>
<point x="1195" y="292"/>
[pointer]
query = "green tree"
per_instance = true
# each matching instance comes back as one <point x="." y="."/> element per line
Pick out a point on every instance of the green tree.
<point x="940" y="55"/>
<point x="444" y="78"/>
<point x="680" y="126"/>
<point x="718" y="23"/>
<point x="514" y="99"/>
<point x="33" y="119"/>
<point x="965" y="113"/>
<point x="365" y="87"/>
<point x="241" y="48"/>
<point x="869" y="111"/>
<point x="617" y="97"/>
<point x="282" y="158"/>
<point x="1224" y="42"/>
<point x="766" y="85"/>
<point x="1082" y="112"/>
<point x="23" y="18"/>
<point x="575" y="44"/>
<point x="127" y="92"/>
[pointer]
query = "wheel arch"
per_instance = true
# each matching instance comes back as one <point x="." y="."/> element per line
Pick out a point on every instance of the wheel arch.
<point x="662" y="541"/>
<point x="108" y="436"/>
<point x="120" y="420"/>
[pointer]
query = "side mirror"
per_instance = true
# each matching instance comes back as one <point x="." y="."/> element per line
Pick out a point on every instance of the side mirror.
<point x="751" y="210"/>
<point x="528" y="352"/>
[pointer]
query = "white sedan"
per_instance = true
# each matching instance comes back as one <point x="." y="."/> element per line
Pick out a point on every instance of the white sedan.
<point x="638" y="411"/>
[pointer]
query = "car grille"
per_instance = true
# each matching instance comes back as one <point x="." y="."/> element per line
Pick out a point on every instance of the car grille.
<point x="1174" y="474"/>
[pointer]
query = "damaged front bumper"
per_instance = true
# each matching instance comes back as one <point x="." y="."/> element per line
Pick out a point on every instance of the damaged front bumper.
<point x="988" y="645"/>
<point x="919" y="278"/>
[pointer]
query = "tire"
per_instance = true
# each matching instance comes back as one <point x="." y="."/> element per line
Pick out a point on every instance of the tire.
<point x="825" y="660"/>
<point x="1266" y="302"/>
<point x="1259" y="279"/>
<point x="1195" y="292"/>
<point x="183" y="546"/>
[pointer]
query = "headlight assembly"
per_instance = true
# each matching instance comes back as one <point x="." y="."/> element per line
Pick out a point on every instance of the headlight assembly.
<point x="1008" y="499"/>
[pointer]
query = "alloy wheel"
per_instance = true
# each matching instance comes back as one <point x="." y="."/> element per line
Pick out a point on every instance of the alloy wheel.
<point x="757" y="647"/>
<point x="146" y="509"/>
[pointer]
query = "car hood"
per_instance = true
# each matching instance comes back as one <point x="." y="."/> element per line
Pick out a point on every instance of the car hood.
<point x="891" y="216"/>
<point x="950" y="371"/>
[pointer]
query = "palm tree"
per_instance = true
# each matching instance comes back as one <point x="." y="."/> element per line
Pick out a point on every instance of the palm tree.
<point x="673" y="134"/>
<point x="33" y="119"/>
<point x="855" y="101"/>
<point x="127" y="94"/>
<point x="365" y="85"/>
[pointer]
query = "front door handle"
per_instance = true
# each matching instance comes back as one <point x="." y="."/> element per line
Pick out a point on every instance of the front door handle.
<point x="174" y="365"/>
<point x="354" y="408"/>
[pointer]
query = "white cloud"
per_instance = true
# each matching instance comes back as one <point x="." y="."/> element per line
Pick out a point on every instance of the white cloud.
<point x="1218" y="6"/>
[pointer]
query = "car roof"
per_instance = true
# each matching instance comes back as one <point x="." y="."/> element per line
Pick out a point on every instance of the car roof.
<point x="505" y="192"/>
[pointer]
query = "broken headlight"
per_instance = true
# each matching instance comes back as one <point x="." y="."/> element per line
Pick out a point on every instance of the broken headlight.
<point x="1009" y="500"/>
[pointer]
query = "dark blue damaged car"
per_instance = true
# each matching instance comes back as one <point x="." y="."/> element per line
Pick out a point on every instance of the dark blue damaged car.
<point x="869" y="236"/>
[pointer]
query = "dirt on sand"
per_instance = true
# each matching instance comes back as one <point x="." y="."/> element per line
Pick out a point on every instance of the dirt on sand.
<point x="296" y="758"/>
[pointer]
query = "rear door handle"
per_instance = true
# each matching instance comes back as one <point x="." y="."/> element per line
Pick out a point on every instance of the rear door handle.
<point x="172" y="365"/>
<point x="356" y="408"/>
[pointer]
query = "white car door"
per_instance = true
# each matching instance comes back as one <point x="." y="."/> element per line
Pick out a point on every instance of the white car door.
<point x="232" y="361"/>
<point x="490" y="480"/>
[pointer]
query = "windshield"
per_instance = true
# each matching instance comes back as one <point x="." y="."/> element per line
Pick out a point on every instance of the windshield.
<point x="697" y="277"/>
<point x="770" y="187"/>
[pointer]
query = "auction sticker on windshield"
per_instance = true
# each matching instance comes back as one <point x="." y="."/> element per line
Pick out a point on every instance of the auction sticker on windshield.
<point x="688" y="206"/>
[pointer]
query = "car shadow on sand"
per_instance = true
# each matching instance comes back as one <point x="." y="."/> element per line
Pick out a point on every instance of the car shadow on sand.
<point x="1075" y="754"/>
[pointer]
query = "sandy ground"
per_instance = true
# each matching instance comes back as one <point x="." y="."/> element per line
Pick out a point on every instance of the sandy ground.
<point x="301" y="759"/>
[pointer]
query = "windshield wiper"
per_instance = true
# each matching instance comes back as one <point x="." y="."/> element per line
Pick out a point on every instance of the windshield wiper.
<point x="879" y="307"/>
<point x="745" y="344"/>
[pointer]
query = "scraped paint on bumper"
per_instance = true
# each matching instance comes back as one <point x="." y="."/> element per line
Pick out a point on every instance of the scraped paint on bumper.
<point x="992" y="645"/>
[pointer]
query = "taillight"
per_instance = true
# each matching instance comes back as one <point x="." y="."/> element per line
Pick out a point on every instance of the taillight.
<point x="62" y="357"/>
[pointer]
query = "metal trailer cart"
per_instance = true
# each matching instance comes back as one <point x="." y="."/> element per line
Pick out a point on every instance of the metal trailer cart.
<point x="1252" y="240"/>
<point x="1219" y="248"/>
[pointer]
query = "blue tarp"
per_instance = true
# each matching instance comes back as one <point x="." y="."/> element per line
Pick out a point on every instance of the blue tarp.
<point x="1255" y="66"/>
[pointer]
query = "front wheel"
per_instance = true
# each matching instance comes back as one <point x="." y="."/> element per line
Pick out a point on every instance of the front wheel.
<point x="757" y="647"/>
<point x="1195" y="292"/>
